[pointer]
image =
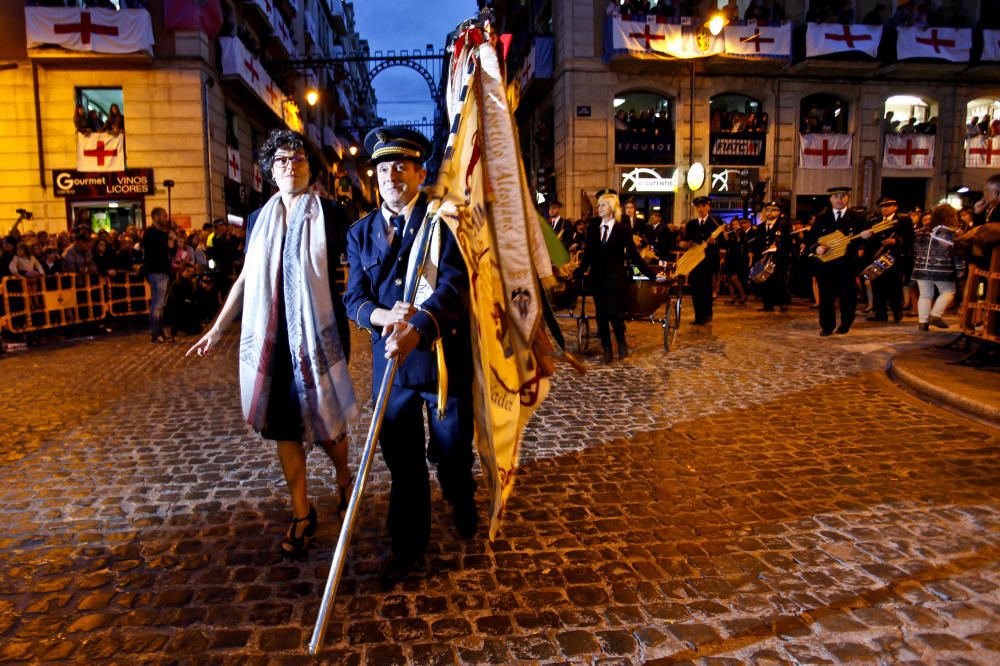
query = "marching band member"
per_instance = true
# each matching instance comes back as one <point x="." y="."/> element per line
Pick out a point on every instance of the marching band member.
<point x="699" y="230"/>
<point x="887" y="288"/>
<point x="608" y="247"/>
<point x="836" y="277"/>
<point x="773" y="238"/>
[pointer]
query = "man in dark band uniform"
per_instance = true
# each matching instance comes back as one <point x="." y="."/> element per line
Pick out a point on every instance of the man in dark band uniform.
<point x="699" y="230"/>
<point x="836" y="276"/>
<point x="887" y="289"/>
<point x="773" y="237"/>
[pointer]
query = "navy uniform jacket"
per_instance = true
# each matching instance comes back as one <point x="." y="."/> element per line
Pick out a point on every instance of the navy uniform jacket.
<point x="851" y="223"/>
<point x="335" y="223"/>
<point x="699" y="233"/>
<point x="376" y="278"/>
<point x="763" y="239"/>
<point x="608" y="271"/>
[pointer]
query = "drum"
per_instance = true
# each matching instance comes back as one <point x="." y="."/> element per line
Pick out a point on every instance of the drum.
<point x="763" y="269"/>
<point x="878" y="267"/>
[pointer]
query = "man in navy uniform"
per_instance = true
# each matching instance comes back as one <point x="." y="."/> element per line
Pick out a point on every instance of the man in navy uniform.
<point x="560" y="225"/>
<point x="378" y="251"/>
<point x="773" y="237"/>
<point x="836" y="277"/>
<point x="897" y="240"/>
<point x="699" y="230"/>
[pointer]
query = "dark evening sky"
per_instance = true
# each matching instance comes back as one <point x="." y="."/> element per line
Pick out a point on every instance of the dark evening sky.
<point x="407" y="24"/>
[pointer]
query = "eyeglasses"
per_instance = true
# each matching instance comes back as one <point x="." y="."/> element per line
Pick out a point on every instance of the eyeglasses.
<point x="283" y="161"/>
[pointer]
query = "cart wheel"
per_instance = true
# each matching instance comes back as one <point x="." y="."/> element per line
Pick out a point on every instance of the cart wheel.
<point x="582" y="335"/>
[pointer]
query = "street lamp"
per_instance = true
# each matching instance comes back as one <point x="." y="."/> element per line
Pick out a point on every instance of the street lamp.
<point x="169" y="184"/>
<point x="312" y="96"/>
<point x="353" y="150"/>
<point x="716" y="24"/>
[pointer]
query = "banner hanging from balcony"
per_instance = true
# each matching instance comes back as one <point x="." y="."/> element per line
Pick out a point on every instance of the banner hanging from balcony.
<point x="983" y="152"/>
<point x="199" y="15"/>
<point x="751" y="41"/>
<point x="909" y="151"/>
<point x="827" y="38"/>
<point x="99" y="151"/>
<point x="737" y="147"/>
<point x="93" y="30"/>
<point x="991" y="46"/>
<point x="237" y="61"/>
<point x="951" y="44"/>
<point x="825" y="151"/>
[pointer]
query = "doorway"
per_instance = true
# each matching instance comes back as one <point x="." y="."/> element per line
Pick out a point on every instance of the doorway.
<point x="909" y="192"/>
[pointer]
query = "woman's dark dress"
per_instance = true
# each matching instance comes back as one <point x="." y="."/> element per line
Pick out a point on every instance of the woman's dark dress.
<point x="284" y="411"/>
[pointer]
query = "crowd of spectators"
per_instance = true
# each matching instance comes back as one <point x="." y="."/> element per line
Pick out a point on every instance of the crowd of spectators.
<point x="891" y="125"/>
<point x="984" y="126"/>
<point x="646" y="123"/>
<point x="92" y="121"/>
<point x="203" y="262"/>
<point x="734" y="120"/>
<point x="757" y="10"/>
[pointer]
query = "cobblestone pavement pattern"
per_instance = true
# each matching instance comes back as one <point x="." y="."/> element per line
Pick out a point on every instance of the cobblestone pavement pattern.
<point x="756" y="495"/>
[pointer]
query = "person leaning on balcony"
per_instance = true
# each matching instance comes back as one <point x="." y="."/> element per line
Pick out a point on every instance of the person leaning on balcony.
<point x="81" y="121"/>
<point x="115" y="124"/>
<point x="294" y="337"/>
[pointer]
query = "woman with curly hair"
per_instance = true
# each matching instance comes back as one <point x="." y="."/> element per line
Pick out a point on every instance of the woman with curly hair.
<point x="294" y="340"/>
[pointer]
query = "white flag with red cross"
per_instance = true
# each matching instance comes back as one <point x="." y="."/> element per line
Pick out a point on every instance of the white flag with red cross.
<point x="991" y="45"/>
<point x="233" y="164"/>
<point x="826" y="38"/>
<point x="983" y="152"/>
<point x="258" y="178"/>
<point x="752" y="41"/>
<point x="909" y="151"/>
<point x="952" y="44"/>
<point x="89" y="29"/>
<point x="825" y="151"/>
<point x="100" y="152"/>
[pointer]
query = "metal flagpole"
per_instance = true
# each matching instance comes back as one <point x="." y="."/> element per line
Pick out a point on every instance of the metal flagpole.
<point x="351" y="516"/>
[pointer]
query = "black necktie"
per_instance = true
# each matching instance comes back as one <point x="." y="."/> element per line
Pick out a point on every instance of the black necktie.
<point x="605" y="232"/>
<point x="397" y="222"/>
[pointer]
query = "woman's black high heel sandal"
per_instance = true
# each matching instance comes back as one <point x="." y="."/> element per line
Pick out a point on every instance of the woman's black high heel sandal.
<point x="345" y="496"/>
<point x="296" y="546"/>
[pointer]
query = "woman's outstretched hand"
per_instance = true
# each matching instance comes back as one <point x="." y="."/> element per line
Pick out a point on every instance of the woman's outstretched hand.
<point x="206" y="344"/>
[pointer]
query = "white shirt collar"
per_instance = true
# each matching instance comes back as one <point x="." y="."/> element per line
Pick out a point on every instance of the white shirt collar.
<point x="407" y="212"/>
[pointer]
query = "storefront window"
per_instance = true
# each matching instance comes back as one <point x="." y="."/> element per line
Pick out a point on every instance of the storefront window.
<point x="738" y="128"/>
<point x="823" y="113"/>
<point x="644" y="129"/>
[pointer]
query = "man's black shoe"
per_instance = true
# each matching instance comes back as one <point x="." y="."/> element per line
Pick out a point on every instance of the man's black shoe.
<point x="766" y="309"/>
<point x="877" y="318"/>
<point x="622" y="350"/>
<point x="824" y="334"/>
<point x="606" y="356"/>
<point x="466" y="520"/>
<point x="696" y="322"/>
<point x="842" y="331"/>
<point x="396" y="569"/>
<point x="897" y="317"/>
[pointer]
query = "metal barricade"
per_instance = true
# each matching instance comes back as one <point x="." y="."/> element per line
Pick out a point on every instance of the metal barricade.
<point x="127" y="294"/>
<point x="29" y="304"/>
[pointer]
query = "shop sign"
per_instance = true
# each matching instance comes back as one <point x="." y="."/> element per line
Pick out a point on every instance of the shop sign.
<point x="644" y="179"/>
<point x="632" y="147"/>
<point x="737" y="148"/>
<point x="733" y="182"/>
<point x="97" y="185"/>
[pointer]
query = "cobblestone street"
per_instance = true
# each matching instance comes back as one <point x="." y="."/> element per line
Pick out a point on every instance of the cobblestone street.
<point x="758" y="494"/>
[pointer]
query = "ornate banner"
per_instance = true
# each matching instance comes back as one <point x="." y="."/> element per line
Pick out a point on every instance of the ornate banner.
<point x="483" y="196"/>
<point x="94" y="30"/>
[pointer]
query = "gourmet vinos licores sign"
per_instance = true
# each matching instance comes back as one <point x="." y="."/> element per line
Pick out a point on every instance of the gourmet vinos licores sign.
<point x="131" y="182"/>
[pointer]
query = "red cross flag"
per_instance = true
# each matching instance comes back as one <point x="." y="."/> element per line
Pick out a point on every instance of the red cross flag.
<point x="983" y="152"/>
<point x="233" y="164"/>
<point x="100" y="152"/>
<point x="991" y="45"/>
<point x="238" y="62"/>
<point x="751" y="41"/>
<point x="258" y="178"/>
<point x="909" y="151"/>
<point x="826" y="38"/>
<point x="825" y="151"/>
<point x="951" y="44"/>
<point x="85" y="29"/>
